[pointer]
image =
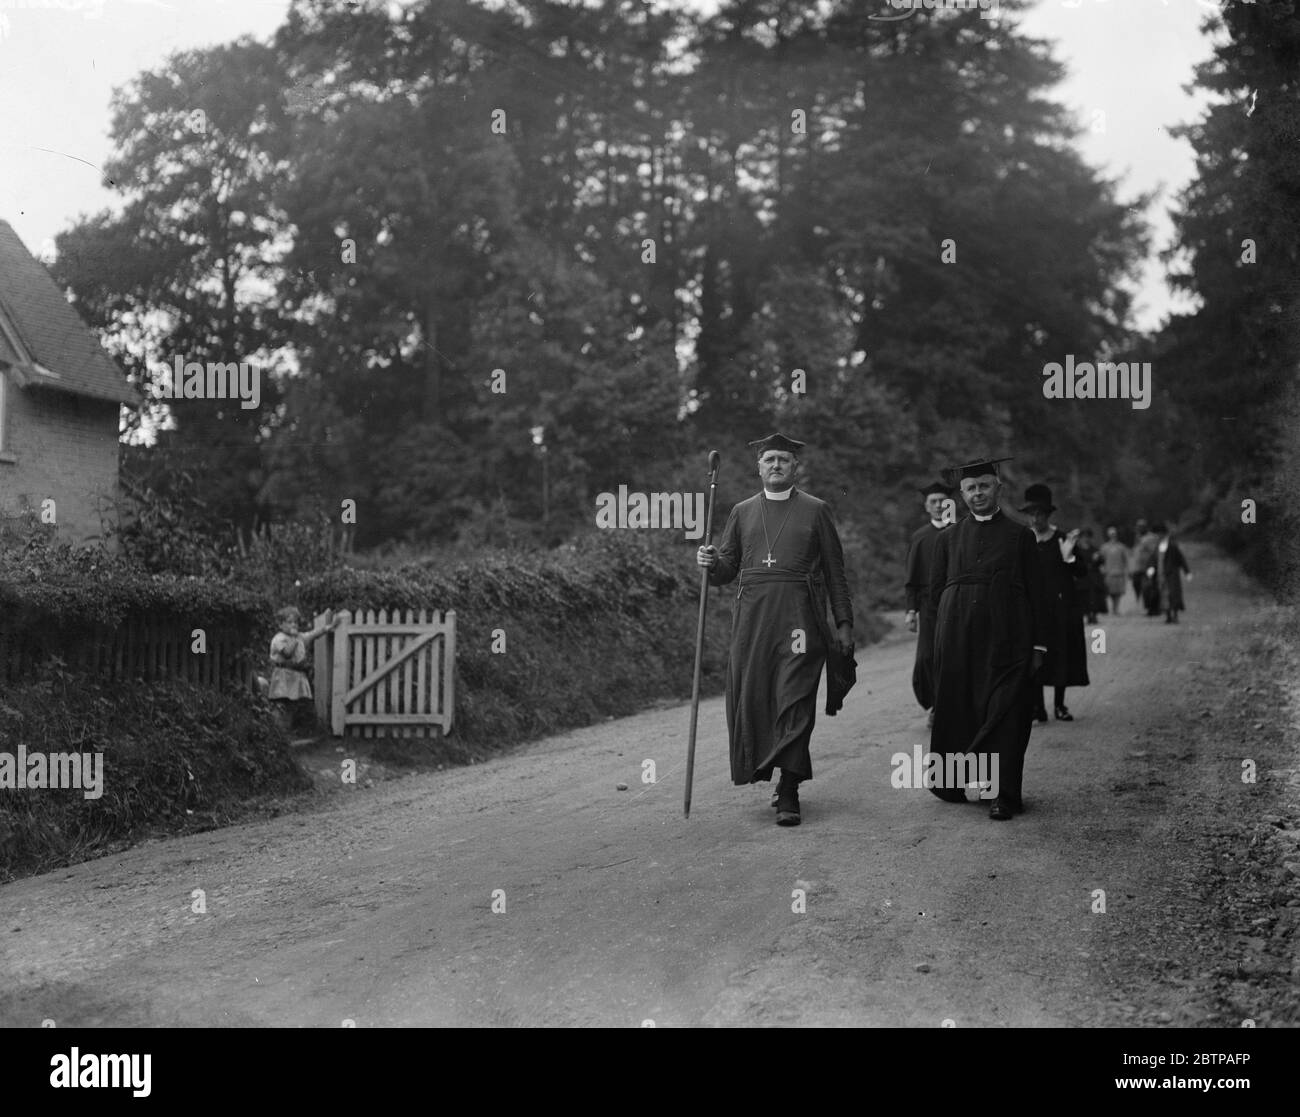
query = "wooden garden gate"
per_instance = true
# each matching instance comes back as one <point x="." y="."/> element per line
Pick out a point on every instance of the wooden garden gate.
<point x="379" y="676"/>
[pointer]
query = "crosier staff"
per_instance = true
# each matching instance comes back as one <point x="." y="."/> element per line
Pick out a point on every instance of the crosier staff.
<point x="715" y="460"/>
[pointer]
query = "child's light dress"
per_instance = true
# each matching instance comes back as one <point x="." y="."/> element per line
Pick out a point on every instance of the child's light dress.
<point x="288" y="682"/>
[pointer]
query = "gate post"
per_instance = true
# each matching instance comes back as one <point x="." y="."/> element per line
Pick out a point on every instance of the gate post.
<point x="323" y="675"/>
<point x="339" y="680"/>
<point x="449" y="653"/>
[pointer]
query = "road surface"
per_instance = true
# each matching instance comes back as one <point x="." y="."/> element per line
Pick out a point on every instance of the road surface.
<point x="377" y="907"/>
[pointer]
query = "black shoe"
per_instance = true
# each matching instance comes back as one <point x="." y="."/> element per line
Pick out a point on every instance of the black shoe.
<point x="1001" y="810"/>
<point x="787" y="807"/>
<point x="949" y="794"/>
<point x="1062" y="714"/>
<point x="1040" y="713"/>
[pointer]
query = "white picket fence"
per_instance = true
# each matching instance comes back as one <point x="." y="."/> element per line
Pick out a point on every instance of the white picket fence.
<point x="379" y="675"/>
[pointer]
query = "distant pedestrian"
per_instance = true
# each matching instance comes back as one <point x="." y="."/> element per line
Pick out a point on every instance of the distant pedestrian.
<point x="1091" y="592"/>
<point x="289" y="686"/>
<point x="1066" y="662"/>
<point x="920" y="617"/>
<point x="1137" y="565"/>
<point x="1114" y="567"/>
<point x="1144" y="550"/>
<point x="1169" y="567"/>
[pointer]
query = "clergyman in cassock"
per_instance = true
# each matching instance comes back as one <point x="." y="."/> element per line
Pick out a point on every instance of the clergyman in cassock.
<point x="920" y="617"/>
<point x="986" y="589"/>
<point x="783" y="547"/>
<point x="1066" y="662"/>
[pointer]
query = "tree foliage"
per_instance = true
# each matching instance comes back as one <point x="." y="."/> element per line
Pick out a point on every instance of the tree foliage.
<point x="646" y="220"/>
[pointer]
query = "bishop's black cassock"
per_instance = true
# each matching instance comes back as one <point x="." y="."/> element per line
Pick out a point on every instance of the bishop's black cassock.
<point x="771" y="683"/>
<point x="986" y="590"/>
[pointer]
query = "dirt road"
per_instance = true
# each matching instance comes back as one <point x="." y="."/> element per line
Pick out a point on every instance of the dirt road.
<point x="378" y="907"/>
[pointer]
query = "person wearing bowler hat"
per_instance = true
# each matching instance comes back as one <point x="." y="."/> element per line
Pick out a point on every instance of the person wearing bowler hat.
<point x="1066" y="662"/>
<point x="989" y="637"/>
<point x="919" y="618"/>
<point x="783" y="547"/>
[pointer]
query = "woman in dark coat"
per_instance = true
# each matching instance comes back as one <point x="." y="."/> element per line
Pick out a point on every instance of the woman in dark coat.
<point x="1066" y="662"/>
<point x="1169" y="566"/>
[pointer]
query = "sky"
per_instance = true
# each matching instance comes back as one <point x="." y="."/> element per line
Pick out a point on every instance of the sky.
<point x="60" y="60"/>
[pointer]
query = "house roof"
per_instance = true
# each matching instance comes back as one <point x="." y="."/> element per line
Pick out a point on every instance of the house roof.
<point x="42" y="339"/>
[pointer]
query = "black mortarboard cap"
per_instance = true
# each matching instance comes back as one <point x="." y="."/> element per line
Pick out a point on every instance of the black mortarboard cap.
<point x="777" y="442"/>
<point x="976" y="468"/>
<point x="935" y="487"/>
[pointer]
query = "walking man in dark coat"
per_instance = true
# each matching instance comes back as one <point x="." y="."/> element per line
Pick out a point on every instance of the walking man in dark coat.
<point x="985" y="587"/>
<point x="1066" y="662"/>
<point x="1168" y="567"/>
<point x="783" y="546"/>
<point x="920" y="617"/>
<point x="1144" y="552"/>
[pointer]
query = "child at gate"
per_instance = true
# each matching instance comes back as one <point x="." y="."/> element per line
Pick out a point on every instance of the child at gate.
<point x="289" y="689"/>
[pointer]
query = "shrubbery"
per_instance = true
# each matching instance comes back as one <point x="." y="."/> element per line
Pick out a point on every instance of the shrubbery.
<point x="176" y="757"/>
<point x="592" y="630"/>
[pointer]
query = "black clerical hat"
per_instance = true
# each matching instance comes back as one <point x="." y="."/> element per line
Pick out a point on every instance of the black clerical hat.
<point x="1038" y="496"/>
<point x="935" y="487"/>
<point x="976" y="468"/>
<point x="777" y="442"/>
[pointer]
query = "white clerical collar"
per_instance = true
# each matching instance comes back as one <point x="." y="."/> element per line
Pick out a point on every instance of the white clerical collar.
<point x="778" y="496"/>
<point x="985" y="519"/>
<point x="1051" y="530"/>
<point x="937" y="523"/>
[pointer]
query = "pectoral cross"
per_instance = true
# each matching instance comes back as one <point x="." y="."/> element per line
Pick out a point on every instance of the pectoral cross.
<point x="769" y="561"/>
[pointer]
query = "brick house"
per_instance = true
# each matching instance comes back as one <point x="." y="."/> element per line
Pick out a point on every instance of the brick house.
<point x="60" y="402"/>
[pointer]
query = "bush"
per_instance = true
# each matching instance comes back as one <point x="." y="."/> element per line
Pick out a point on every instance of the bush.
<point x="45" y="581"/>
<point x="175" y="758"/>
<point x="591" y="630"/>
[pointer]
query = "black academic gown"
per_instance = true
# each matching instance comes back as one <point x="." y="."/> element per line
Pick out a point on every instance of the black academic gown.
<point x="920" y="556"/>
<point x="985" y="589"/>
<point x="779" y="634"/>
<point x="1066" y="662"/>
